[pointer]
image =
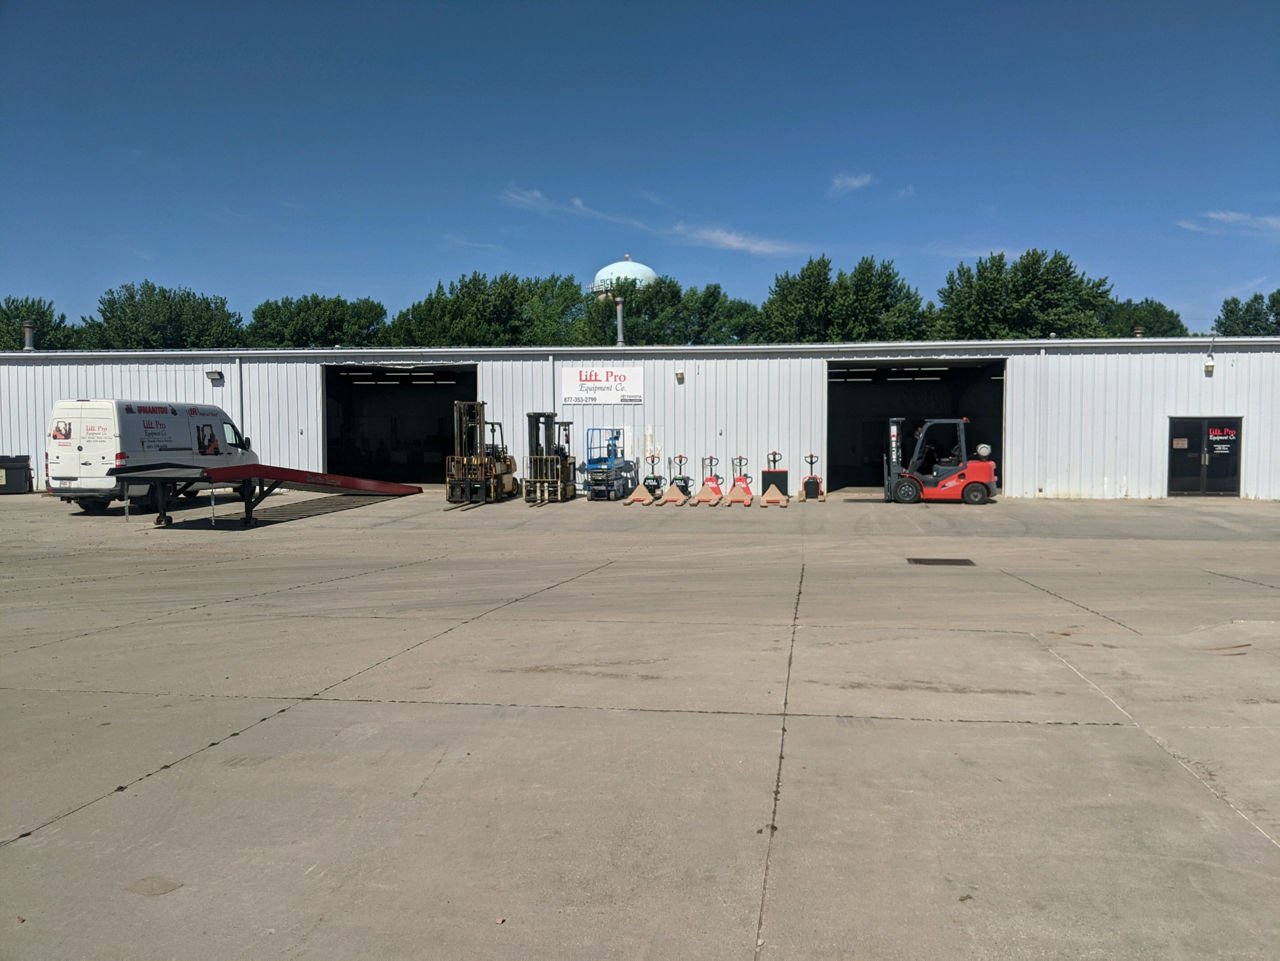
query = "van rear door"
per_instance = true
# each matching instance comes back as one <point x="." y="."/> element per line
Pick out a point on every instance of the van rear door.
<point x="82" y="446"/>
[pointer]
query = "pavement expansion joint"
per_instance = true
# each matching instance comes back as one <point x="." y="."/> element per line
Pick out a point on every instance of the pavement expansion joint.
<point x="782" y="749"/>
<point x="1246" y="580"/>
<point x="162" y="615"/>
<point x="122" y="788"/>
<point x="463" y="623"/>
<point x="1160" y="743"/>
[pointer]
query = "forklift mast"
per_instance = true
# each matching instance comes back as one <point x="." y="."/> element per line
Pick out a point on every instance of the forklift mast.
<point x="549" y="469"/>
<point x="480" y="470"/>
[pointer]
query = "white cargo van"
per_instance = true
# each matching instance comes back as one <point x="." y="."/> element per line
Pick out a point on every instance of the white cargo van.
<point x="87" y="438"/>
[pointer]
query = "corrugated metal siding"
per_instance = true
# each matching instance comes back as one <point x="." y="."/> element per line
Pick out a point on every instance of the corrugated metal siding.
<point x="284" y="412"/>
<point x="1081" y="419"/>
<point x="726" y="406"/>
<point x="511" y="389"/>
<point x="1098" y="425"/>
<point x="29" y="390"/>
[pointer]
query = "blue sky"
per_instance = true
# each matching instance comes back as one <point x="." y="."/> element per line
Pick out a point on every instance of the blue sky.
<point x="263" y="150"/>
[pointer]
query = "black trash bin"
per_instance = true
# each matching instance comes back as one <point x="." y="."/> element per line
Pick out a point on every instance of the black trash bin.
<point x="15" y="475"/>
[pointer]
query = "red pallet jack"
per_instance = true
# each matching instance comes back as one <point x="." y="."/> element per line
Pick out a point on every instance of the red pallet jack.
<point x="710" y="494"/>
<point x="770" y="480"/>
<point x="681" y="484"/>
<point x="740" y="493"/>
<point x="811" y="487"/>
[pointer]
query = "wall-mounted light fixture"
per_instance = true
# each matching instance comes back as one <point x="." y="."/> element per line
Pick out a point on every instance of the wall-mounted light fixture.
<point x="215" y="377"/>
<point x="1208" y="361"/>
<point x="679" y="376"/>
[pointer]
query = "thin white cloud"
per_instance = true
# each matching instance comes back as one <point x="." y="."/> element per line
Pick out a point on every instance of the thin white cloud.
<point x="722" y="238"/>
<point x="529" y="200"/>
<point x="718" y="238"/>
<point x="846" y="183"/>
<point x="908" y="191"/>
<point x="969" y="252"/>
<point x="1246" y="289"/>
<point x="537" y="202"/>
<point x="1251" y="221"/>
<point x="451" y="241"/>
<point x="1222" y="220"/>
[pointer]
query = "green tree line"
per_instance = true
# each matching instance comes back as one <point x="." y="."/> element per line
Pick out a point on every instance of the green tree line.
<point x="1037" y="295"/>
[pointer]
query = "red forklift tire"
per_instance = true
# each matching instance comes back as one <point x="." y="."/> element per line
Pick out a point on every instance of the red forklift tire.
<point x="906" y="491"/>
<point x="974" y="494"/>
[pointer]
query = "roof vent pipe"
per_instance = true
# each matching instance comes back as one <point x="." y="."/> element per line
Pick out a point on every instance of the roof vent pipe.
<point x="28" y="336"/>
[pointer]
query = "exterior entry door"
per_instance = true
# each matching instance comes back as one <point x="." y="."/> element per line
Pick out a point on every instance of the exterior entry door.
<point x="1204" y="455"/>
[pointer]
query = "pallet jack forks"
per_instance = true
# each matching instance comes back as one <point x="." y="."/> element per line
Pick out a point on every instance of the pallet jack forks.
<point x="639" y="496"/>
<point x="678" y="491"/>
<point x="646" y="490"/>
<point x="811" y="487"/>
<point x="772" y="495"/>
<point x="710" y="494"/>
<point x="740" y="493"/>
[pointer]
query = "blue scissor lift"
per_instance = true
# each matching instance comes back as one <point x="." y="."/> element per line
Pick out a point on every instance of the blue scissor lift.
<point x="609" y="475"/>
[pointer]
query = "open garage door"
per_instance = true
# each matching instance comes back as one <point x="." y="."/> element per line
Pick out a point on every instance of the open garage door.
<point x="861" y="397"/>
<point x="393" y="423"/>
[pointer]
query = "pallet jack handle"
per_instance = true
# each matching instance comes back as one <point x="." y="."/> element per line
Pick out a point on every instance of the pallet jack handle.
<point x="774" y="458"/>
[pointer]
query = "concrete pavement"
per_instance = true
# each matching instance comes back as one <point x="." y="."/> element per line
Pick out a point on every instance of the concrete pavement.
<point x="596" y="731"/>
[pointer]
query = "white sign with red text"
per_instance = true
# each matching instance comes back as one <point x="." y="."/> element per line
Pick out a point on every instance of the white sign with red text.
<point x="601" y="385"/>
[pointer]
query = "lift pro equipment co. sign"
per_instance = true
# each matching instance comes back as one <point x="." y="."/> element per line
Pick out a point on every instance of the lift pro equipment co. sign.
<point x="601" y="385"/>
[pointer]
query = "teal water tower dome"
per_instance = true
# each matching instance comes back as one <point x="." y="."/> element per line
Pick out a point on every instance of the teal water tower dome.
<point x="625" y="269"/>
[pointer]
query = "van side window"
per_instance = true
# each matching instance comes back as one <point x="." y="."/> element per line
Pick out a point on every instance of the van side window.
<point x="231" y="435"/>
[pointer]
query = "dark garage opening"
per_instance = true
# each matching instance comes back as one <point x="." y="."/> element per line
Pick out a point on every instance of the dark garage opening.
<point x="861" y="397"/>
<point x="393" y="423"/>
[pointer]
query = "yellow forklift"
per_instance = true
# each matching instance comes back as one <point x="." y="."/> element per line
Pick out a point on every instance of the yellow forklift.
<point x="549" y="468"/>
<point x="480" y="470"/>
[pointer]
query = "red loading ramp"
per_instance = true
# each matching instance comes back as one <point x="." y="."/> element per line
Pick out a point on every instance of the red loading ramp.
<point x="307" y="480"/>
<point x="256" y="481"/>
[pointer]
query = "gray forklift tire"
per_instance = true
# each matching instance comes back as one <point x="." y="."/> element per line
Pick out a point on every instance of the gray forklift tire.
<point x="974" y="493"/>
<point x="906" y="491"/>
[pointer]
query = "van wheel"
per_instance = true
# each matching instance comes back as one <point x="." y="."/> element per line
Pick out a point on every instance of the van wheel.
<point x="975" y="494"/>
<point x="94" y="505"/>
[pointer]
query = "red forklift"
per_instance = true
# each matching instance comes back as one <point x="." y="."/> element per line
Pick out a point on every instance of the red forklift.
<point x="940" y="468"/>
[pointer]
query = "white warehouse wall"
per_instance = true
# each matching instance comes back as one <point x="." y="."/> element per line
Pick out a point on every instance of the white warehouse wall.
<point x="1097" y="425"/>
<point x="726" y="406"/>
<point x="1082" y="418"/>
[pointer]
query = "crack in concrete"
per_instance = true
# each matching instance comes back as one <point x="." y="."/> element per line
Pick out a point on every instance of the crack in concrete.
<point x="604" y="708"/>
<point x="1071" y="602"/>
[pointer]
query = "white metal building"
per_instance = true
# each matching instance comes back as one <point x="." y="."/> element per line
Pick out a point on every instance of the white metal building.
<point x="1089" y="418"/>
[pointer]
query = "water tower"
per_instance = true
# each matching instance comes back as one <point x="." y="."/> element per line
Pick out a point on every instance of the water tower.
<point x="608" y="277"/>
